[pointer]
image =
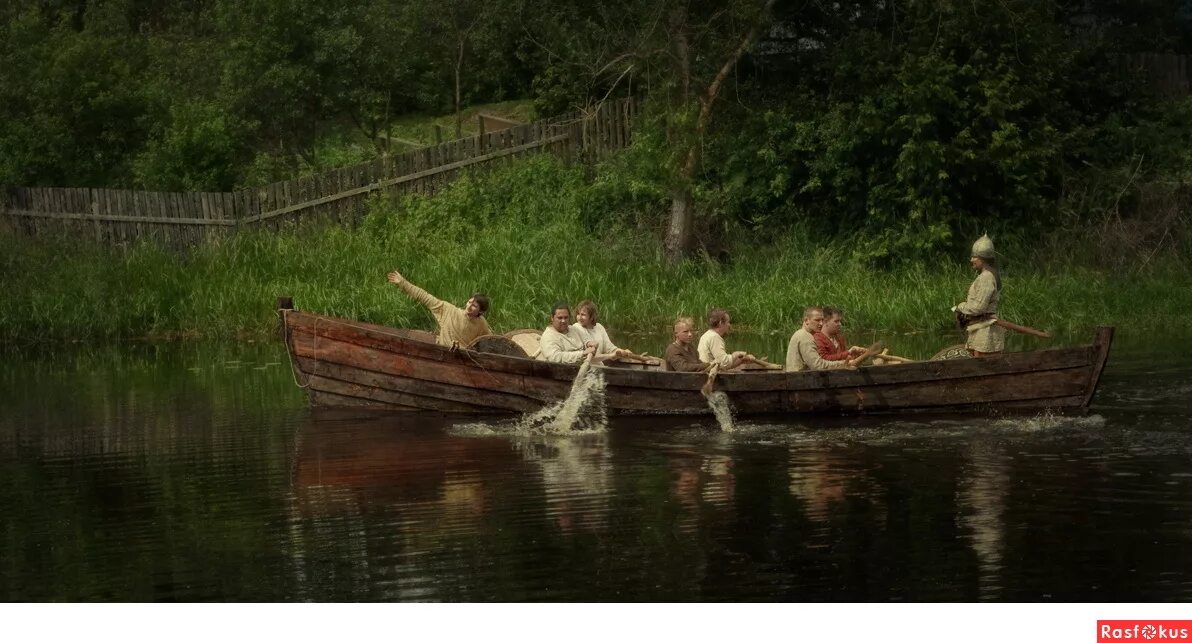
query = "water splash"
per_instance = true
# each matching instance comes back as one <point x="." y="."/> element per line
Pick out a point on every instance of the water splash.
<point x="584" y="411"/>
<point x="1048" y="421"/>
<point x="719" y="403"/>
<point x="587" y="389"/>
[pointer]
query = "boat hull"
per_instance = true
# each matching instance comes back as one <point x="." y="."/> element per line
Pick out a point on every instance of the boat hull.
<point x="345" y="363"/>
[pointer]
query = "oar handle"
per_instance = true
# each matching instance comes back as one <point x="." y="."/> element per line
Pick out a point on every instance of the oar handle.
<point x="641" y="357"/>
<point x="1027" y="330"/>
<point x="763" y="363"/>
<point x="869" y="352"/>
<point x="894" y="358"/>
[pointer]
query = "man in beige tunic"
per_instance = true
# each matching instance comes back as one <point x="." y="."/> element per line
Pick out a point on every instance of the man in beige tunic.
<point x="711" y="344"/>
<point x="978" y="313"/>
<point x="560" y="343"/>
<point x="456" y="325"/>
<point x="801" y="352"/>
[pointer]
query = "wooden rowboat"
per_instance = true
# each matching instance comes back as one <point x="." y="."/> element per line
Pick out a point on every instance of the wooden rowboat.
<point x="348" y="363"/>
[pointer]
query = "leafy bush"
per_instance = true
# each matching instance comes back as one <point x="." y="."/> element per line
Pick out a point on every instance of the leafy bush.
<point x="198" y="151"/>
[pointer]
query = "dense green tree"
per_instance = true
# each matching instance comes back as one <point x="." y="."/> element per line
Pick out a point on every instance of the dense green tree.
<point x="71" y="107"/>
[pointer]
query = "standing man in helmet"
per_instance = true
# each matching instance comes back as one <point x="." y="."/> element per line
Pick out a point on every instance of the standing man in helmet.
<point x="977" y="314"/>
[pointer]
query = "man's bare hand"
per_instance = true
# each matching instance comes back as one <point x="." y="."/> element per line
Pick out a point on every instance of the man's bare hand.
<point x="395" y="277"/>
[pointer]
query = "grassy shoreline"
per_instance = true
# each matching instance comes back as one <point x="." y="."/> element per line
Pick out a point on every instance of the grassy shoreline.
<point x="519" y="235"/>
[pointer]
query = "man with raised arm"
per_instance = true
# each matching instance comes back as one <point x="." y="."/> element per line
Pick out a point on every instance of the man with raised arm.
<point x="456" y="325"/>
<point x="801" y="354"/>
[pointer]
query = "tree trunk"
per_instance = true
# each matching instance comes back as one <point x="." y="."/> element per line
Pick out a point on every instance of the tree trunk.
<point x="679" y="233"/>
<point x="682" y="215"/>
<point x="682" y="218"/>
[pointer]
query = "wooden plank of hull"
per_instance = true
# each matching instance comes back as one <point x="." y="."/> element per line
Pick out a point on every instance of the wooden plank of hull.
<point x="324" y="398"/>
<point x="1018" y="387"/>
<point x="636" y="400"/>
<point x="459" y="373"/>
<point x="409" y="401"/>
<point x="423" y="394"/>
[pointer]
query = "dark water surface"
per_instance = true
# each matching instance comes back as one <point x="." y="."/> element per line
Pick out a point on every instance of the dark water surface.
<point x="195" y="472"/>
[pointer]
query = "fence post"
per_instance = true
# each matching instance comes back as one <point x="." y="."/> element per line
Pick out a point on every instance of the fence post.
<point x="480" y="136"/>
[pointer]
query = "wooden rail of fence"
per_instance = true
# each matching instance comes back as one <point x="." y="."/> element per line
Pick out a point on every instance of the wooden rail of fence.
<point x="183" y="219"/>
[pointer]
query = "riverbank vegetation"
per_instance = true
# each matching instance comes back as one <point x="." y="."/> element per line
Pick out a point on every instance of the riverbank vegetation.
<point x="534" y="232"/>
<point x="786" y="153"/>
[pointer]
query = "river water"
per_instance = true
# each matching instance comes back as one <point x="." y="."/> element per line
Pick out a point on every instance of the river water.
<point x="195" y="472"/>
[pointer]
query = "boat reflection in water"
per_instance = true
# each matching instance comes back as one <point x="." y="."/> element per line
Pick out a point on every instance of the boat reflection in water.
<point x="380" y="501"/>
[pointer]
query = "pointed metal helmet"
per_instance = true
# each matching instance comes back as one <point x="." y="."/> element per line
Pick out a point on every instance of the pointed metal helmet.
<point x="983" y="248"/>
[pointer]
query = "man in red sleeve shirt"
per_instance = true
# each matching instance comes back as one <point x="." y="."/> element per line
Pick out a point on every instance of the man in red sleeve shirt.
<point x="830" y="342"/>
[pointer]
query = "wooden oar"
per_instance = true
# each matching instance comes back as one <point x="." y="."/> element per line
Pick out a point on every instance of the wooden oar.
<point x="876" y="348"/>
<point x="641" y="357"/>
<point x="706" y="389"/>
<point x="893" y="358"/>
<point x="762" y="363"/>
<point x="1022" y="329"/>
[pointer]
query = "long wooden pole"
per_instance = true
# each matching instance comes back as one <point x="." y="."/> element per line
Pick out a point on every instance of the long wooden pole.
<point x="763" y="363"/>
<point x="1022" y="329"/>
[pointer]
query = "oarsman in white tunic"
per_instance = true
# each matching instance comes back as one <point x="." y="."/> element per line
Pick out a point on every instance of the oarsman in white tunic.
<point x="977" y="314"/>
<point x="560" y="343"/>
<point x="589" y="329"/>
<point x="801" y="352"/>
<point x="711" y="344"/>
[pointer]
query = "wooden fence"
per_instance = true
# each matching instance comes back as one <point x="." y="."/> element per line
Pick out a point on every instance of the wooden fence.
<point x="183" y="219"/>
<point x="1167" y="74"/>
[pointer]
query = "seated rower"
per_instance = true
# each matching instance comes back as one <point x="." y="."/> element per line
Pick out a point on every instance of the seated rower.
<point x="681" y="355"/>
<point x="456" y="325"/>
<point x="801" y="353"/>
<point x="711" y="344"/>
<point x="830" y="342"/>
<point x="560" y="343"/>
<point x="589" y="329"/>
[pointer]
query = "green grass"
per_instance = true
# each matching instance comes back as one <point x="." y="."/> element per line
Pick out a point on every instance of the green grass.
<point x="517" y="233"/>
